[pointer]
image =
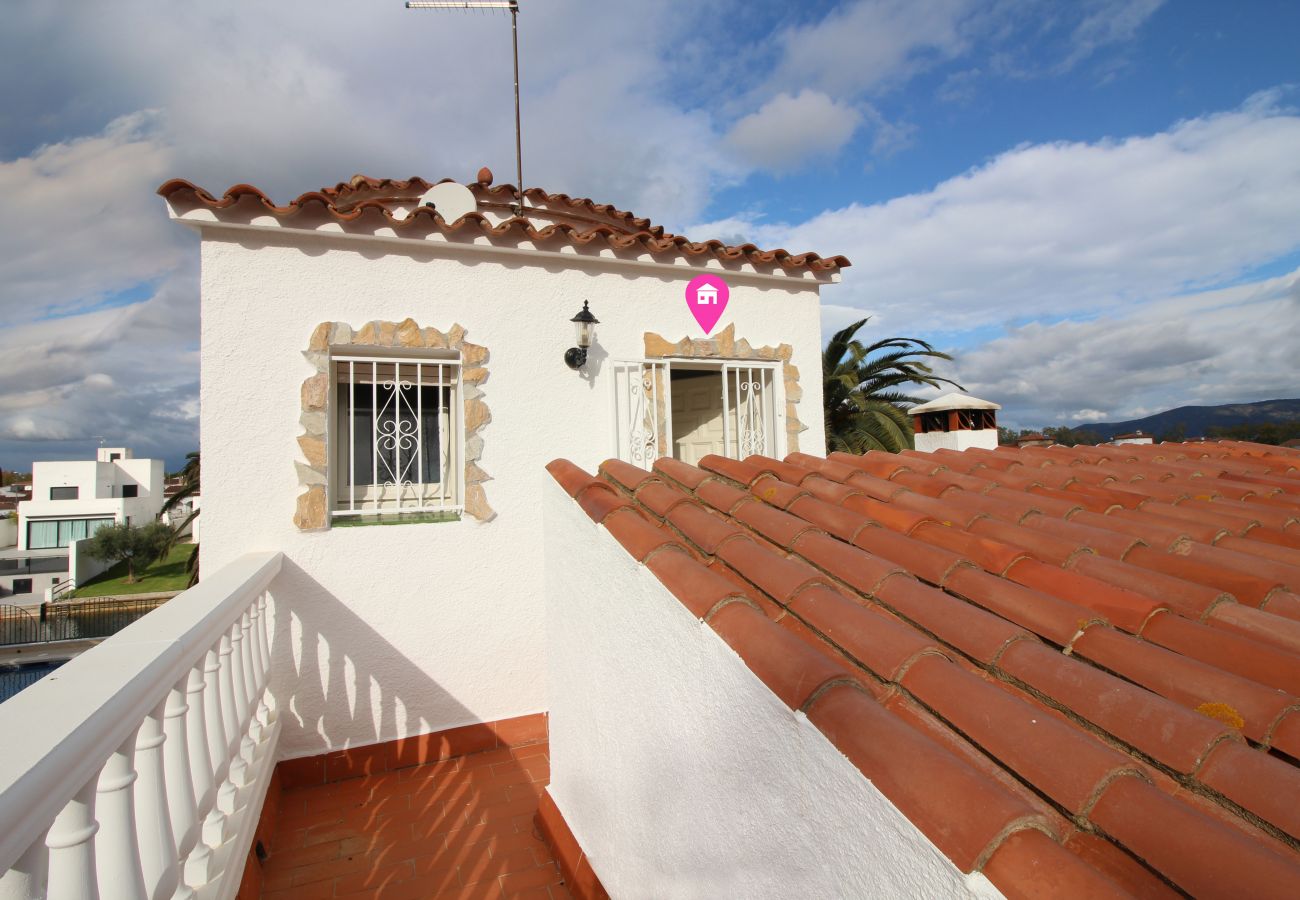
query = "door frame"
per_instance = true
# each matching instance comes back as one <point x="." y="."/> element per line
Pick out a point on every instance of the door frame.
<point x="646" y="404"/>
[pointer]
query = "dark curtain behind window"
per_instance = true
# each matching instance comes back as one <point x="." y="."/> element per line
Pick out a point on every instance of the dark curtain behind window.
<point x="365" y="399"/>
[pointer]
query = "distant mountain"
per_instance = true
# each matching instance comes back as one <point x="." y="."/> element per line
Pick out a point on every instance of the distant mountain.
<point x="1196" y="419"/>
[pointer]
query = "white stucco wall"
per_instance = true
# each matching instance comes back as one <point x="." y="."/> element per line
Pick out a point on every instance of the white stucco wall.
<point x="406" y="629"/>
<point x="984" y="439"/>
<point x="8" y="531"/>
<point x="82" y="566"/>
<point x="680" y="773"/>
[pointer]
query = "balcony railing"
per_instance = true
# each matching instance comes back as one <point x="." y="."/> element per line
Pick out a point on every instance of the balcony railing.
<point x="139" y="768"/>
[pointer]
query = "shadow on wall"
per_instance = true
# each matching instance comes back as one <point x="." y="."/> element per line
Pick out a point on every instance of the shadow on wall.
<point x="338" y="682"/>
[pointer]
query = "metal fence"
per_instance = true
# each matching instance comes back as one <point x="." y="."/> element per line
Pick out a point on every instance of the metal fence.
<point x="71" y="620"/>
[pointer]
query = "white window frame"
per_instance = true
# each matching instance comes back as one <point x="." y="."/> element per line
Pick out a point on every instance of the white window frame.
<point x="398" y="487"/>
<point x="642" y="406"/>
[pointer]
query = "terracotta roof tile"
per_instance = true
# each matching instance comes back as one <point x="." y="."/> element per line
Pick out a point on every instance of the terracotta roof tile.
<point x="965" y="813"/>
<point x="1077" y="669"/>
<point x="793" y="670"/>
<point x="368" y="205"/>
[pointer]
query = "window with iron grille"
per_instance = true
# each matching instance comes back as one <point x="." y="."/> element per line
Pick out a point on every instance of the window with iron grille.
<point x="396" y="436"/>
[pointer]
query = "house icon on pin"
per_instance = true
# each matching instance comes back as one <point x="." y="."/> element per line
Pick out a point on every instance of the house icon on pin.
<point x="706" y="294"/>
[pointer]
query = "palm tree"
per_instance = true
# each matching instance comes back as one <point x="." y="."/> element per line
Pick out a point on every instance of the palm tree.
<point x="189" y="475"/>
<point x="860" y="392"/>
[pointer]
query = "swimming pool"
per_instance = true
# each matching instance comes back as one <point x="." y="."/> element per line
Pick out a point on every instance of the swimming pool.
<point x="16" y="676"/>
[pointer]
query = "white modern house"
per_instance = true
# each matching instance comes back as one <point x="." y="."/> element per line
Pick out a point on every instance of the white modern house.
<point x="70" y="501"/>
<point x="721" y="665"/>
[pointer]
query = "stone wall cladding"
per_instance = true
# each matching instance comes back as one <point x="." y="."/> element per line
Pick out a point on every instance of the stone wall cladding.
<point x="724" y="347"/>
<point x="312" y="513"/>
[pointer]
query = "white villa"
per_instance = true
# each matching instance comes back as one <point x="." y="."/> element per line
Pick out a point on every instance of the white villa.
<point x="70" y="501"/>
<point x="509" y="617"/>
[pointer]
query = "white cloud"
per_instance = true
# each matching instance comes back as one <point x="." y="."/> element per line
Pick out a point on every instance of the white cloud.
<point x="1056" y="230"/>
<point x="788" y="130"/>
<point x="79" y="219"/>
<point x="301" y="93"/>
<point x="128" y="374"/>
<point x="1108" y="22"/>
<point x="869" y="44"/>
<point x="1237" y="344"/>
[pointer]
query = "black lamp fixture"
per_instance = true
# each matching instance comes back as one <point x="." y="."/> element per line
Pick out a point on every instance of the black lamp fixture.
<point x="585" y="323"/>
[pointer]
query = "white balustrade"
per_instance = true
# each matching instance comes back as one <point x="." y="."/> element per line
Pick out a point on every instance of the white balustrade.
<point x="138" y="770"/>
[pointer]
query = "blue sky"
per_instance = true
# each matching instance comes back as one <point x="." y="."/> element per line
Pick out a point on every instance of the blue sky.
<point x="1092" y="204"/>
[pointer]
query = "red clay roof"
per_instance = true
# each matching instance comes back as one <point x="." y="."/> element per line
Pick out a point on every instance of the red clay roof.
<point x="1076" y="670"/>
<point x="367" y="202"/>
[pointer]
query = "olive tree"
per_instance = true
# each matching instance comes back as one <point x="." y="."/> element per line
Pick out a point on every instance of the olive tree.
<point x="135" y="545"/>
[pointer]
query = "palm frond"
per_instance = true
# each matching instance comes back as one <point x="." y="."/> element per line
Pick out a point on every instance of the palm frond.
<point x="863" y="404"/>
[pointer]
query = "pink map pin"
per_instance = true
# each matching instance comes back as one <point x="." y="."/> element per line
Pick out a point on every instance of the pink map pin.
<point x="706" y="297"/>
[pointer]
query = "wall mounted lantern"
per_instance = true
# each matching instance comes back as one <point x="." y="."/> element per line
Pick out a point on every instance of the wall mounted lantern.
<point x="585" y="323"/>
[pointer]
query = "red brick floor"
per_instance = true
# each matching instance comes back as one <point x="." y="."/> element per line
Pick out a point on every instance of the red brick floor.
<point x="457" y="828"/>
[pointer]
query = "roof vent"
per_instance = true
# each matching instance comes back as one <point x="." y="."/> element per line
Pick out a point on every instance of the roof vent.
<point x="451" y="200"/>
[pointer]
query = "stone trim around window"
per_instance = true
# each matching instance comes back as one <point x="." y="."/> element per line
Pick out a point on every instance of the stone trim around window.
<point x="312" y="513"/>
<point x="724" y="346"/>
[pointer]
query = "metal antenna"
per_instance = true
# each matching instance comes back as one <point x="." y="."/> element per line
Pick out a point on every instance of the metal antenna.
<point x="481" y="5"/>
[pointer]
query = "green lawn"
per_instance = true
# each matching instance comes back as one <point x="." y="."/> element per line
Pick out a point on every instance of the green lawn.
<point x="166" y="574"/>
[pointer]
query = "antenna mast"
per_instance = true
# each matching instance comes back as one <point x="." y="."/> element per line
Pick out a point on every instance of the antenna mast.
<point x="513" y="6"/>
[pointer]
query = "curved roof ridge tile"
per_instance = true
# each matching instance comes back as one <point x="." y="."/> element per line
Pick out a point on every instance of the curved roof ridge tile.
<point x="638" y="231"/>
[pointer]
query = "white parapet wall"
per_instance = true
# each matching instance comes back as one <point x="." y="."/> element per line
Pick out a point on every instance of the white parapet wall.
<point x="930" y="441"/>
<point x="680" y="773"/>
<point x="81" y="565"/>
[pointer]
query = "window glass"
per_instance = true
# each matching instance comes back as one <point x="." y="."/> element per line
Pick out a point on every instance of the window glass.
<point x="48" y="533"/>
<point x="130" y="490"/>
<point x="394" y="425"/>
<point x="64" y="493"/>
<point x="41" y="535"/>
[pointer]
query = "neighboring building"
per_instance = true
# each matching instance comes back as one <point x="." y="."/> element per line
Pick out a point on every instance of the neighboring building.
<point x="1136" y="437"/>
<point x="1034" y="439"/>
<point x="73" y="499"/>
<point x="955" y="422"/>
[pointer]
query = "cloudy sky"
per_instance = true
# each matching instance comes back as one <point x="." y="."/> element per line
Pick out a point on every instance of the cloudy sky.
<point x="1095" y="205"/>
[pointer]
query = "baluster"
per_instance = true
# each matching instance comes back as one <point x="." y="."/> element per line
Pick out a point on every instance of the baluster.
<point x="252" y="727"/>
<point x="260" y="719"/>
<point x="153" y="819"/>
<point x="264" y="645"/>
<point x="117" y="854"/>
<point x="178" y="762"/>
<point x="27" y="879"/>
<point x="199" y="726"/>
<point x="236" y="768"/>
<point x="71" y="858"/>
<point x="214" y="705"/>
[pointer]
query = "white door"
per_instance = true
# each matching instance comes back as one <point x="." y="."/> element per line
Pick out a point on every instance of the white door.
<point x="643" y="428"/>
<point x="697" y="418"/>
